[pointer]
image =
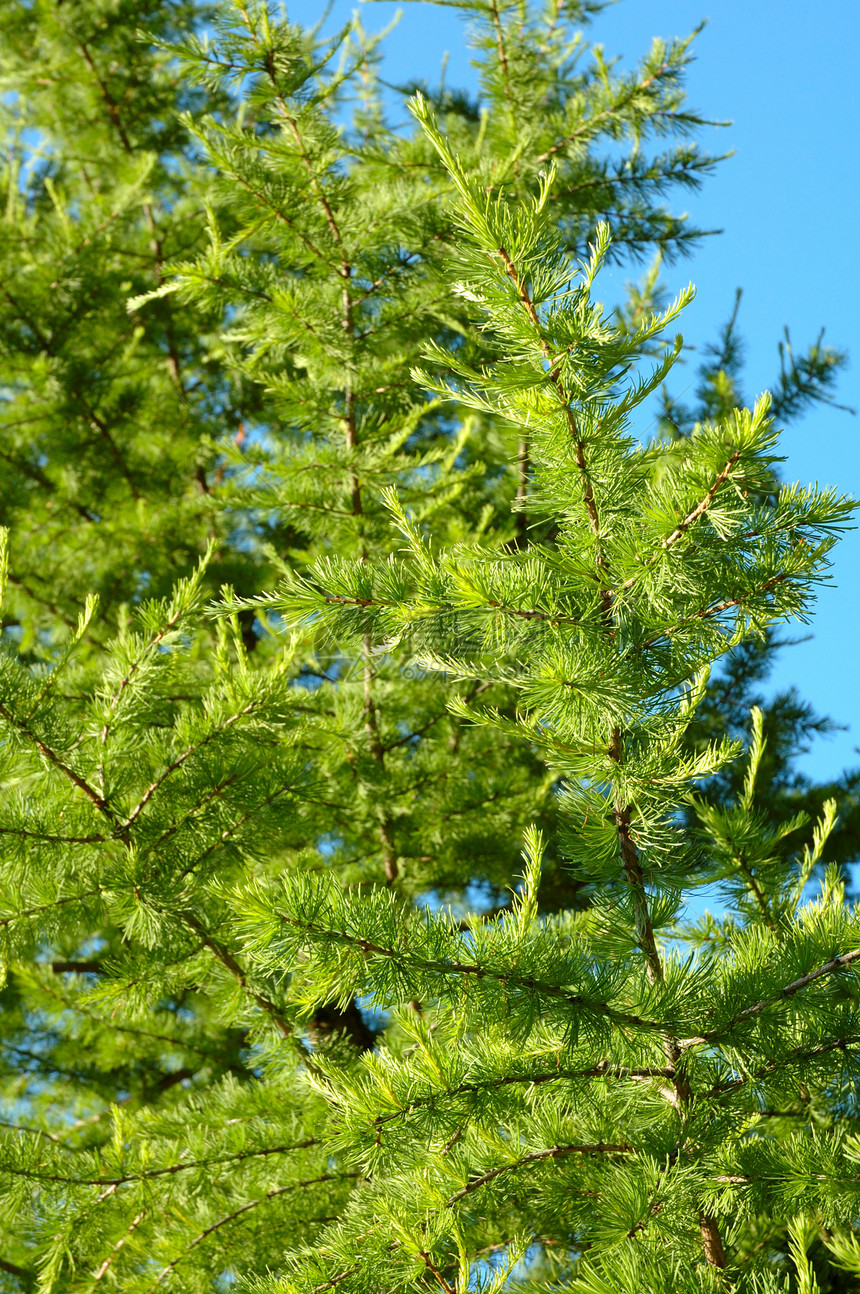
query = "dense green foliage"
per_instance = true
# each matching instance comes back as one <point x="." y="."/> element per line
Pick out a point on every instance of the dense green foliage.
<point x="337" y="579"/>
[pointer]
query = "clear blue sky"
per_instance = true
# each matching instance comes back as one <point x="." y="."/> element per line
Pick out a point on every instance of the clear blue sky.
<point x="785" y="73"/>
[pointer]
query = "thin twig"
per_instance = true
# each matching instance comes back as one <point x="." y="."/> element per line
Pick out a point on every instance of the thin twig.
<point x="134" y="1224"/>
<point x="240" y="1212"/>
<point x="181" y="759"/>
<point x="539" y="1156"/>
<point x="837" y="963"/>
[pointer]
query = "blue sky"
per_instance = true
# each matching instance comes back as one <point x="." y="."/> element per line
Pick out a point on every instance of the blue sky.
<point x="785" y="74"/>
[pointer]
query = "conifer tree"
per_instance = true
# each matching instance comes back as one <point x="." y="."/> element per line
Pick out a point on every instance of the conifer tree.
<point x="657" y="568"/>
<point x="220" y="834"/>
<point x="790" y="724"/>
<point x="103" y="459"/>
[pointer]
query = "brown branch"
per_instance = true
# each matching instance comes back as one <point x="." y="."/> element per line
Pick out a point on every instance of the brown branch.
<point x="538" y="1156"/>
<point x="96" y="422"/>
<point x="181" y="1044"/>
<point x="53" y="758"/>
<point x="532" y="614"/>
<point x="37" y="475"/>
<point x="109" y="101"/>
<point x="712" y="1241"/>
<point x="12" y="1269"/>
<point x="335" y="1280"/>
<point x="168" y="1171"/>
<point x="289" y="117"/>
<point x="679" y="1093"/>
<point x="241" y="1211"/>
<point x="226" y="958"/>
<point x="214" y="794"/>
<point x="589" y="126"/>
<point x="707" y="613"/>
<point x="480" y="972"/>
<point x="418" y="732"/>
<point x="48" y="907"/>
<point x="683" y="526"/>
<point x="377" y="750"/>
<point x="529" y="1080"/>
<point x="181" y="759"/>
<point x="132" y="1227"/>
<point x="837" y="963"/>
<point x="576" y="439"/>
<point x="126" y="680"/>
<point x="229" y="832"/>
<point x="633" y="873"/>
<point x="277" y="214"/>
<point x="702" y="507"/>
<point x="331" y="599"/>
<point x="99" y="425"/>
<point x="500" y="47"/>
<point x="760" y="897"/>
<point x="798" y="1056"/>
<point x="397" y="267"/>
<point x="40" y="598"/>
<point x="87" y="240"/>
<point x="52" y="840"/>
<point x="350" y="426"/>
<point x="135" y="666"/>
<point x="41" y="337"/>
<point x="434" y="1271"/>
<point x="521" y="497"/>
<point x="35" y="1132"/>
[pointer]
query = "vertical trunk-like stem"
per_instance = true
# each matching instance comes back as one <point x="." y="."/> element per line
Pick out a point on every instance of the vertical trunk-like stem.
<point x="633" y="874"/>
<point x="679" y="1094"/>
<point x="389" y="856"/>
<point x="712" y="1241"/>
<point x="641" y="911"/>
<point x="712" y="1245"/>
<point x="521" y="517"/>
<point x="371" y="725"/>
<point x="576" y="439"/>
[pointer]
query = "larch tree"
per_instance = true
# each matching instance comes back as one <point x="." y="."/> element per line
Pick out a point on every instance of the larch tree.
<point x="359" y="750"/>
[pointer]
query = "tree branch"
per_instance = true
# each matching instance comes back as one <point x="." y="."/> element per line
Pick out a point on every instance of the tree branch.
<point x="181" y="759"/>
<point x="226" y="958"/>
<point x="590" y="125"/>
<point x="683" y="526"/>
<point x="478" y="972"/>
<point x="244" y="1209"/>
<point x="527" y="1080"/>
<point x="538" y="1156"/>
<point x="132" y="1227"/>
<point x="75" y="778"/>
<point x="167" y="1171"/>
<point x="578" y="445"/>
<point x="707" y="613"/>
<point x="837" y="963"/>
